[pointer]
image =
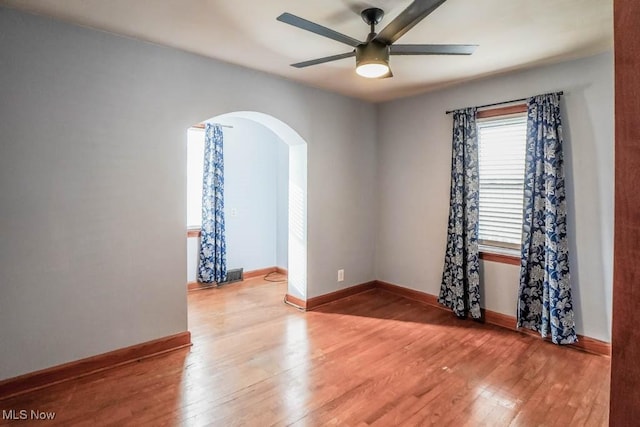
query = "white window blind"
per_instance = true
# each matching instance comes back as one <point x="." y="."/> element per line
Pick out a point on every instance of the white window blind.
<point x="501" y="143"/>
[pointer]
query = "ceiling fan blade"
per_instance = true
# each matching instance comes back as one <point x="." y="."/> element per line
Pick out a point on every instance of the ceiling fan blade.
<point x="432" y="49"/>
<point x="302" y="23"/>
<point x="409" y="17"/>
<point x="323" y="60"/>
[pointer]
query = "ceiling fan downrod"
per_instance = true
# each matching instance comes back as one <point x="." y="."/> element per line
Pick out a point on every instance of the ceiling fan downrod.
<point x="372" y="16"/>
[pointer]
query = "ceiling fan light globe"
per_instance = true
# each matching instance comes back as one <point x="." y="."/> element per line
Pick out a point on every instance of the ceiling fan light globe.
<point x="372" y="60"/>
<point x="372" y="70"/>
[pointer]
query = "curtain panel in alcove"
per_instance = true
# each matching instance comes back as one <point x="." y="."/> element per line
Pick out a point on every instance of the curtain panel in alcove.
<point x="544" y="302"/>
<point x="212" y="266"/>
<point x="460" y="288"/>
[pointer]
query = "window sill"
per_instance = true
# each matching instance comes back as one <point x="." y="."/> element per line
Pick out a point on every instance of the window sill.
<point x="501" y="255"/>
<point x="193" y="232"/>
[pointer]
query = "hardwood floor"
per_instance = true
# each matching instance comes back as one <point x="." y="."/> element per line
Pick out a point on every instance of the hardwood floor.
<point x="372" y="359"/>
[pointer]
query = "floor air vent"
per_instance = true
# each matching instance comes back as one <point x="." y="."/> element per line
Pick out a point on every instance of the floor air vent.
<point x="233" y="275"/>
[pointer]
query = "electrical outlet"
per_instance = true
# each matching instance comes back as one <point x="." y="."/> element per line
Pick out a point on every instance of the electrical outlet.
<point x="234" y="212"/>
<point x="340" y="275"/>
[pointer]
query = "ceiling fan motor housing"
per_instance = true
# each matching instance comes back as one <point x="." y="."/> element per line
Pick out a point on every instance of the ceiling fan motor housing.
<point x="372" y="52"/>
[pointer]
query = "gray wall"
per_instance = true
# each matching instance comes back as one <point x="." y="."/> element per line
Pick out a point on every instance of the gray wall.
<point x="93" y="184"/>
<point x="251" y="189"/>
<point x="414" y="155"/>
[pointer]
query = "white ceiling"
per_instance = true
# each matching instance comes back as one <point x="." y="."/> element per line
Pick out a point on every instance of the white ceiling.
<point x="511" y="34"/>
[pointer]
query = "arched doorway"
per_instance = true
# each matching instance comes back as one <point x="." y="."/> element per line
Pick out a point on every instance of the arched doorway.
<point x="297" y="197"/>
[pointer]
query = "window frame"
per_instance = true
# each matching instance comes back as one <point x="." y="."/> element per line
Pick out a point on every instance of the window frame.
<point x="501" y="252"/>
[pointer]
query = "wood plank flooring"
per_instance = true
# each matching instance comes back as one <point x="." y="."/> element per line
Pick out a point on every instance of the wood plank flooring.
<point x="372" y="359"/>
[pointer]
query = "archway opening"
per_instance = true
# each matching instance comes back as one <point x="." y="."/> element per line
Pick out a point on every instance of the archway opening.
<point x="296" y="200"/>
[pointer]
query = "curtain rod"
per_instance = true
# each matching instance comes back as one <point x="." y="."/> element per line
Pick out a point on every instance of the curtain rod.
<point x="201" y="126"/>
<point x="503" y="102"/>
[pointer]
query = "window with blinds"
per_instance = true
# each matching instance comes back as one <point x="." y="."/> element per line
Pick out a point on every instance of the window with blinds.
<point x="501" y="143"/>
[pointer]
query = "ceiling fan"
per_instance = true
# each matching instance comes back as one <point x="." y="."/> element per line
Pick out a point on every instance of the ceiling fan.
<point x="372" y="55"/>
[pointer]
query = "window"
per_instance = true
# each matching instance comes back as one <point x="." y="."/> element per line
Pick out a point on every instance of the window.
<point x="195" y="165"/>
<point x="501" y="144"/>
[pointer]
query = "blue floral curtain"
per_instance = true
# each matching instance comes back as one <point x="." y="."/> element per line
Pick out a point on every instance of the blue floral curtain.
<point x="213" y="251"/>
<point x="460" y="289"/>
<point x="544" y="302"/>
